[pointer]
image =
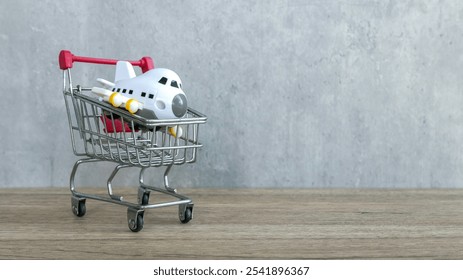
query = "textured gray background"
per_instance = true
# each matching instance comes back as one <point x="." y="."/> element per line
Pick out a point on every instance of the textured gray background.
<point x="309" y="93"/>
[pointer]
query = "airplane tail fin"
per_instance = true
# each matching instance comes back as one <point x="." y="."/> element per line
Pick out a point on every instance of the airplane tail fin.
<point x="124" y="70"/>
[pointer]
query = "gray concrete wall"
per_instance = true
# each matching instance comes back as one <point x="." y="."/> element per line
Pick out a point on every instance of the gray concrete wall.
<point x="308" y="93"/>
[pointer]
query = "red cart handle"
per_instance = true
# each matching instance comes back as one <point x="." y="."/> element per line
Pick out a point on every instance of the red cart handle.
<point x="66" y="58"/>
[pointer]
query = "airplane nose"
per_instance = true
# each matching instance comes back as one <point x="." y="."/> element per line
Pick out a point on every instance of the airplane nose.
<point x="179" y="105"/>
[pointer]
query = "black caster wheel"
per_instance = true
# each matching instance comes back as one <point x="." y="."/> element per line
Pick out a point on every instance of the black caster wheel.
<point x="145" y="198"/>
<point x="78" y="207"/>
<point x="135" y="220"/>
<point x="185" y="214"/>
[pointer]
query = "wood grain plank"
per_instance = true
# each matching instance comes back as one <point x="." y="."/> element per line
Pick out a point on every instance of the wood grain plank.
<point x="239" y="224"/>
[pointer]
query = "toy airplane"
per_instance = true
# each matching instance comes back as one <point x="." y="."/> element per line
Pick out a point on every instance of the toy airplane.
<point x="155" y="94"/>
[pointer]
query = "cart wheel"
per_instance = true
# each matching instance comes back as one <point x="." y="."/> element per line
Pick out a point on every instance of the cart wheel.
<point x="136" y="222"/>
<point x="185" y="214"/>
<point x="145" y="198"/>
<point x="78" y="207"/>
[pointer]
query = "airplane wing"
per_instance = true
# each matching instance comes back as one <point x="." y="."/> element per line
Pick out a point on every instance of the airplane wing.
<point x="105" y="83"/>
<point x="118" y="100"/>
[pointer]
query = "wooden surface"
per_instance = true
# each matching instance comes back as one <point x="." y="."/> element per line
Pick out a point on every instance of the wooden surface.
<point x="239" y="224"/>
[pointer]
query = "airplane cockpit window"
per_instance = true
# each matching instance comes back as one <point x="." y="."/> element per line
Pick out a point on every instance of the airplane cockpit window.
<point x="174" y="84"/>
<point x="163" y="80"/>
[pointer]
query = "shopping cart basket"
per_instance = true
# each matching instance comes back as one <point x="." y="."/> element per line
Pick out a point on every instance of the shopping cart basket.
<point x="101" y="132"/>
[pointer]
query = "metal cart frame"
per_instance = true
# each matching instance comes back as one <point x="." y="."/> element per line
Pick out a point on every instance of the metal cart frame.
<point x="103" y="133"/>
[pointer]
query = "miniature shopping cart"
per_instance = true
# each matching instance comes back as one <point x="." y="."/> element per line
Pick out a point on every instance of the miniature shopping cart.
<point x="101" y="132"/>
